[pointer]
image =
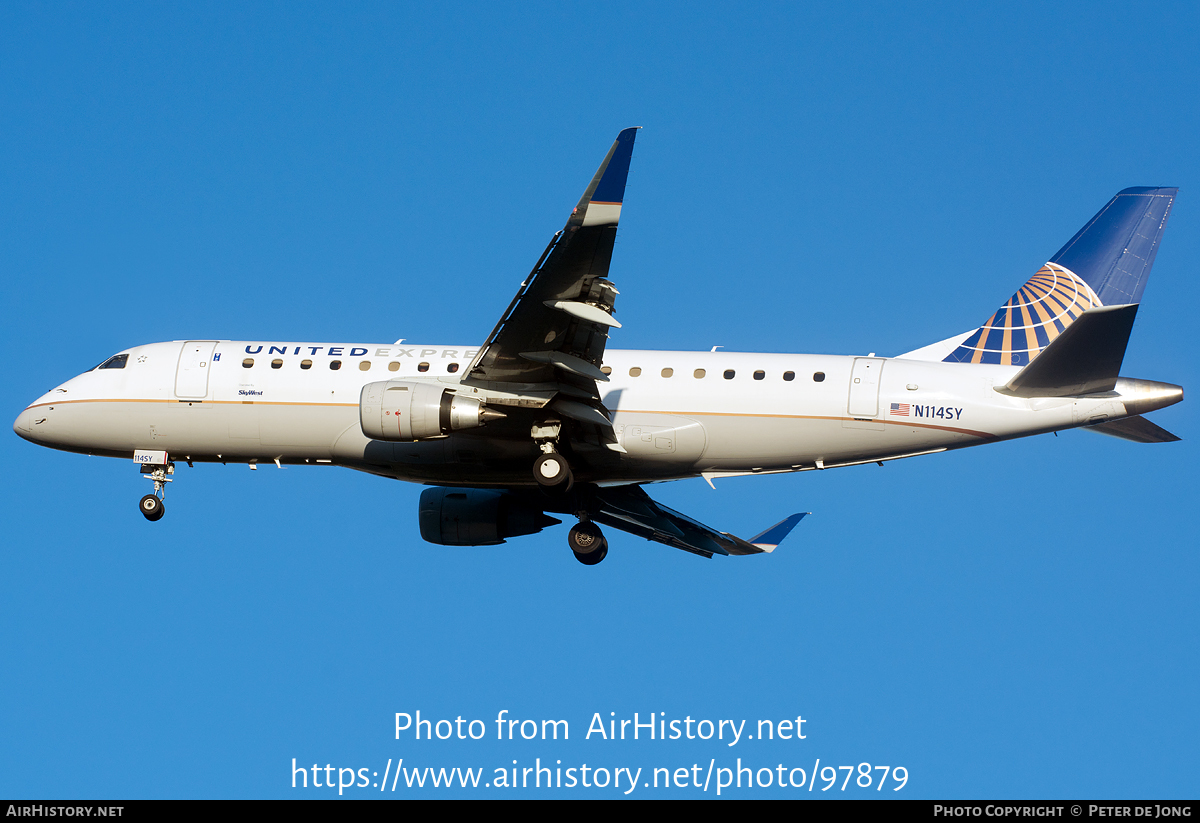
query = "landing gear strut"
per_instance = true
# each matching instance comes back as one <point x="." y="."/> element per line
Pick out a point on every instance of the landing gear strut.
<point x="588" y="543"/>
<point x="151" y="506"/>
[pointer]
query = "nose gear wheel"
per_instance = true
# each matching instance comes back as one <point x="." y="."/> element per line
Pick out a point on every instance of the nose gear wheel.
<point x="152" y="508"/>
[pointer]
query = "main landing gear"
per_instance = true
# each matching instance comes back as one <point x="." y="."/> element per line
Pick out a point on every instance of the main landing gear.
<point x="550" y="470"/>
<point x="588" y="543"/>
<point x="553" y="473"/>
<point x="151" y="506"/>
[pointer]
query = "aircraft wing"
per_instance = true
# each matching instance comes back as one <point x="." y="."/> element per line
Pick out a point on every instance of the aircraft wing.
<point x="630" y="509"/>
<point x="555" y="329"/>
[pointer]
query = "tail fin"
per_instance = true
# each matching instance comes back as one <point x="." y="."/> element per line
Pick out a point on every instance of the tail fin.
<point x="1106" y="263"/>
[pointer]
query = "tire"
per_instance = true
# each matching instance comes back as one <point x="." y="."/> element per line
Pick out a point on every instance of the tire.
<point x="585" y="538"/>
<point x="552" y="471"/>
<point x="151" y="508"/>
<point x="593" y="557"/>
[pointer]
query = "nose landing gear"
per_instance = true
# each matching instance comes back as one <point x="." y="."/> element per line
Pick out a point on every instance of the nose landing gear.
<point x="588" y="543"/>
<point x="151" y="506"/>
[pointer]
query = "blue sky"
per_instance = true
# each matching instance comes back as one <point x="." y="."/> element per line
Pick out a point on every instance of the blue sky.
<point x="1011" y="621"/>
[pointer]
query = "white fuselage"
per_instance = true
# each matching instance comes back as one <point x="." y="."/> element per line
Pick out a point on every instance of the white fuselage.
<point x="675" y="414"/>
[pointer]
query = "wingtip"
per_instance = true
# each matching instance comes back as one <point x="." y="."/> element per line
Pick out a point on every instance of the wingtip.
<point x="770" y="539"/>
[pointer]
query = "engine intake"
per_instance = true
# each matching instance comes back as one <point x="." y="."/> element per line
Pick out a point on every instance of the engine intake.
<point x="400" y="411"/>
<point x="477" y="517"/>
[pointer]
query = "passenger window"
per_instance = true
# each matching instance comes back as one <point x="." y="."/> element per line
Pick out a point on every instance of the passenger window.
<point x="698" y="373"/>
<point x="248" y="363"/>
<point x="452" y="368"/>
<point x="393" y="366"/>
<point x="334" y="365"/>
<point x="422" y="367"/>
<point x="667" y="372"/>
<point x="729" y="373"/>
<point x="277" y="363"/>
<point x="117" y="361"/>
<point x="636" y="371"/>
<point x="789" y="376"/>
<point x="364" y="365"/>
<point x="760" y="374"/>
<point x="819" y="377"/>
<point x="306" y="364"/>
<point x="606" y="369"/>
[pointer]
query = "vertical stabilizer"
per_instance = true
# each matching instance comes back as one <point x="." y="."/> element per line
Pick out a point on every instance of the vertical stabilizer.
<point x="1106" y="263"/>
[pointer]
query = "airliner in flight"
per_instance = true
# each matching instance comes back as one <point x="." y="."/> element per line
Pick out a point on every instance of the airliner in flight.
<point x="543" y="418"/>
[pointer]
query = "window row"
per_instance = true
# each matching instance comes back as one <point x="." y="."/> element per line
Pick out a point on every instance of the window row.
<point x="334" y="365"/>
<point x="728" y="374"/>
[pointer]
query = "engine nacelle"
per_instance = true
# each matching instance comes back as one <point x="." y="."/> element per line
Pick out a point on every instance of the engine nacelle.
<point x="400" y="411"/>
<point x="476" y="517"/>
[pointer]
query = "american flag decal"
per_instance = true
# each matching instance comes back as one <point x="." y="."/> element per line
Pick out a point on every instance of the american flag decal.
<point x="900" y="409"/>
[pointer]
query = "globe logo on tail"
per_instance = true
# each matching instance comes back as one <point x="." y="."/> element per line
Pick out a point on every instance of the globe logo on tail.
<point x="1039" y="312"/>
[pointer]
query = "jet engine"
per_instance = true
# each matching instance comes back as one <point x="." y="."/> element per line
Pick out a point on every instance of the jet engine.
<point x="399" y="411"/>
<point x="477" y="517"/>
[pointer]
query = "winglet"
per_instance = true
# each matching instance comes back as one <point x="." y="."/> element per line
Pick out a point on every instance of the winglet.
<point x="769" y="540"/>
<point x="601" y="202"/>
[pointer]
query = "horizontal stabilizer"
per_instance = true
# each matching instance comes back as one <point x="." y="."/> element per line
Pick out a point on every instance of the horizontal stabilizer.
<point x="769" y="540"/>
<point x="1136" y="428"/>
<point x="1084" y="359"/>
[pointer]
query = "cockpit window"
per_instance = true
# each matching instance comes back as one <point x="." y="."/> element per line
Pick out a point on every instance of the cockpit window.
<point x="117" y="361"/>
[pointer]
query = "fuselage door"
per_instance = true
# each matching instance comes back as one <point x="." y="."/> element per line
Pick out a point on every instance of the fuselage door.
<point x="195" y="362"/>
<point x="864" y="386"/>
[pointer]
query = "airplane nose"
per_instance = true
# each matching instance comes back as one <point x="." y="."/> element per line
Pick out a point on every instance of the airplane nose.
<point x="23" y="425"/>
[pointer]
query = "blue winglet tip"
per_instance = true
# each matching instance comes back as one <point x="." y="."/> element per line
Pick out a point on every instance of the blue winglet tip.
<point x="611" y="188"/>
<point x="772" y="537"/>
